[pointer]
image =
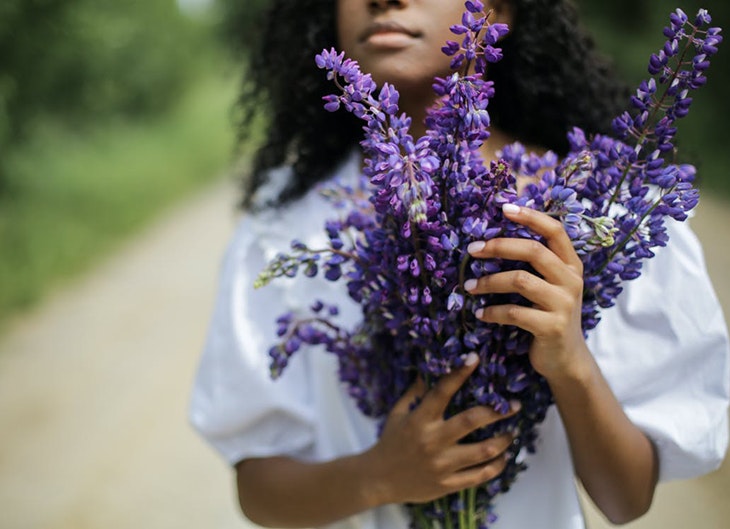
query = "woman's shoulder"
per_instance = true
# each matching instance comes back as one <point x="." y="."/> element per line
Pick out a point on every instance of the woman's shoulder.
<point x="669" y="318"/>
<point x="664" y="350"/>
<point x="278" y="179"/>
<point x="674" y="286"/>
<point x="269" y="227"/>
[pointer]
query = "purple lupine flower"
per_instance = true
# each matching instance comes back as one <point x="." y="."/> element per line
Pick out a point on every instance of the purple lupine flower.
<point x="400" y="242"/>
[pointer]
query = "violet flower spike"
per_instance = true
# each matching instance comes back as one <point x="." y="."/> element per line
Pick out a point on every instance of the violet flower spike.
<point x="400" y="243"/>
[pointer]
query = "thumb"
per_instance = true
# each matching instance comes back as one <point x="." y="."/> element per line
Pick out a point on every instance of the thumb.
<point x="411" y="397"/>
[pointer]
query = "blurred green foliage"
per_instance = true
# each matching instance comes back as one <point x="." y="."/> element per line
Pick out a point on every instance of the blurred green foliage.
<point x="109" y="112"/>
<point x="79" y="195"/>
<point x="237" y="23"/>
<point x="628" y="31"/>
<point x="83" y="61"/>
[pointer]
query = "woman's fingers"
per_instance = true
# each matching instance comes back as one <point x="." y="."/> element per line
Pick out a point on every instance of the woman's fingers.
<point x="528" y="285"/>
<point x="437" y="399"/>
<point x="534" y="321"/>
<point x="545" y="262"/>
<point x="467" y="421"/>
<point x="479" y="474"/>
<point x="482" y="470"/>
<point x="471" y="455"/>
<point x="551" y="229"/>
<point x="556" y="259"/>
<point x="434" y="462"/>
<point x="432" y="404"/>
<point x="413" y="394"/>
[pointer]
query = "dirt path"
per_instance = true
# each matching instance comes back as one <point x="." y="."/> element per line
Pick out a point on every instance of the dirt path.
<point x="94" y="387"/>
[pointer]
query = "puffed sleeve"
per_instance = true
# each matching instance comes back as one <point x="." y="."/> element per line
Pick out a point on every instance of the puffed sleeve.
<point x="235" y="404"/>
<point x="664" y="350"/>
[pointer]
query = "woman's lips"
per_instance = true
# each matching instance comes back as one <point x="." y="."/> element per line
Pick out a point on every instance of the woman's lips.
<point x="387" y="33"/>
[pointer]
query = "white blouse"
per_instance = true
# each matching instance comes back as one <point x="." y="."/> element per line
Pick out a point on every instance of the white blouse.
<point x="663" y="349"/>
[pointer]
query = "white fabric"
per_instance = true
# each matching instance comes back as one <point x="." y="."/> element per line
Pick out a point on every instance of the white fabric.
<point x="663" y="349"/>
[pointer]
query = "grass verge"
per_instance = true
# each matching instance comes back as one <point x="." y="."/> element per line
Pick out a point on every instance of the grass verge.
<point x="77" y="195"/>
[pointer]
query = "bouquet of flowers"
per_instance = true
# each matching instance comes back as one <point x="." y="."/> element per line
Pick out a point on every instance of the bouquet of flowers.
<point x="399" y="244"/>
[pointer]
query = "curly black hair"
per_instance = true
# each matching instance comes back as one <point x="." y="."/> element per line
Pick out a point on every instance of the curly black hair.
<point x="550" y="79"/>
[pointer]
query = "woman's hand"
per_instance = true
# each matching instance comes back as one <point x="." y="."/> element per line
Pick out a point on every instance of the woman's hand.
<point x="614" y="460"/>
<point x="418" y="457"/>
<point x="556" y="292"/>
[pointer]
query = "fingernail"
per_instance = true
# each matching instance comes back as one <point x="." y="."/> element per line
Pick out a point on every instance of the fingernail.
<point x="515" y="405"/>
<point x="471" y="359"/>
<point x="479" y="313"/>
<point x="475" y="247"/>
<point x="511" y="209"/>
<point x="470" y="284"/>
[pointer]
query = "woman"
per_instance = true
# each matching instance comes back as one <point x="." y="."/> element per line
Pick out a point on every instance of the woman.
<point x="304" y="456"/>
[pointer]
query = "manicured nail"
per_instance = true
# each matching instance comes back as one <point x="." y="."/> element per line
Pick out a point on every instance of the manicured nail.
<point x="475" y="247"/>
<point x="479" y="313"/>
<point x="511" y="209"/>
<point x="471" y="359"/>
<point x="470" y="284"/>
<point x="515" y="405"/>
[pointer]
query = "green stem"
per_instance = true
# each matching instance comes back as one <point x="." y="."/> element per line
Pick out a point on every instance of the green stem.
<point x="449" y="522"/>
<point x="472" y="507"/>
<point x="347" y="255"/>
<point x="463" y="520"/>
<point x="422" y="522"/>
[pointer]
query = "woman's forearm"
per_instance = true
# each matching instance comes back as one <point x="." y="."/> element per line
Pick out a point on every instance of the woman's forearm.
<point x="284" y="492"/>
<point x="615" y="461"/>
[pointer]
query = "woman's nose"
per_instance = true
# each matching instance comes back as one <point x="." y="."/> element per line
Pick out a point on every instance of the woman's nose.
<point x="385" y="4"/>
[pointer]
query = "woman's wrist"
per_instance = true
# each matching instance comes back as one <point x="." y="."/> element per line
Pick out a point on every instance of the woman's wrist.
<point x="580" y="371"/>
<point x="374" y="485"/>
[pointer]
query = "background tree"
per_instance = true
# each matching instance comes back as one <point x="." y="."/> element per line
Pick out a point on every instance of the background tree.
<point x="82" y="61"/>
<point x="629" y="30"/>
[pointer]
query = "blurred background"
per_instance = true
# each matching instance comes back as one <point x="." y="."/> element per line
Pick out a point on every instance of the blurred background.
<point x="117" y="197"/>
